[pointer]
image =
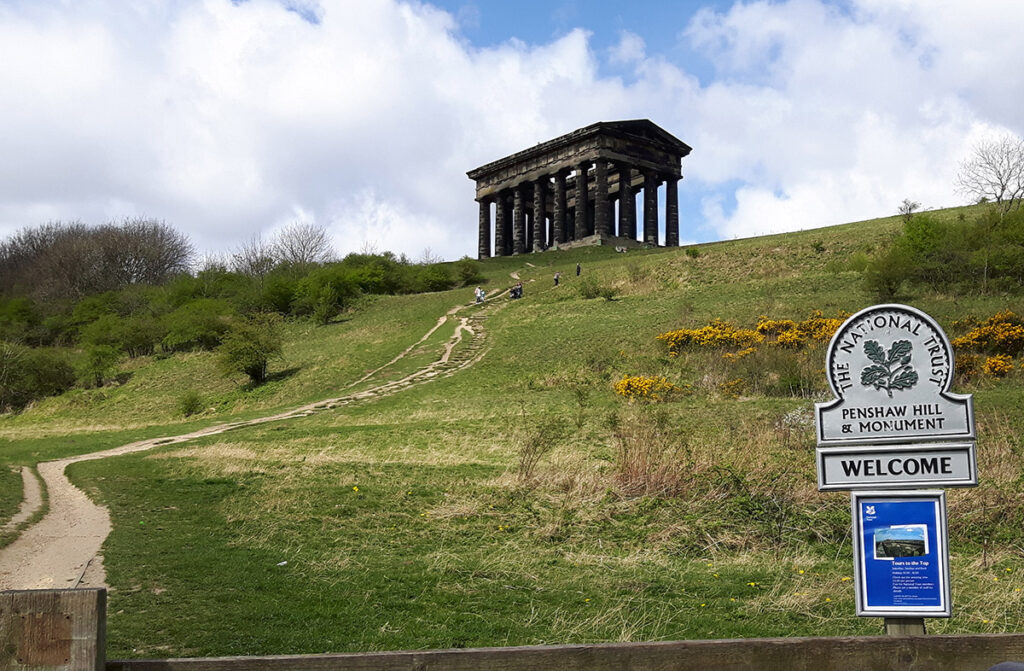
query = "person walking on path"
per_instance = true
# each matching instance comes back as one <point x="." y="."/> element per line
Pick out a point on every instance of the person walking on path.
<point x="578" y="270"/>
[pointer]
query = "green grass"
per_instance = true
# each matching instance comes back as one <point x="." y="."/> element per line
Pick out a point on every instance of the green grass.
<point x="446" y="543"/>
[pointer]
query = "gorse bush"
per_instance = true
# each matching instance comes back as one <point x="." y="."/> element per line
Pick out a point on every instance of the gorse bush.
<point x="645" y="388"/>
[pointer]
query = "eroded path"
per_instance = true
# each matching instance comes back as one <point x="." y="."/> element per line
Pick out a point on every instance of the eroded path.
<point x="62" y="550"/>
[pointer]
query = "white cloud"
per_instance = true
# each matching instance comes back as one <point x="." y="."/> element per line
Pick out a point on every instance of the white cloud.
<point x="229" y="120"/>
<point x="630" y="48"/>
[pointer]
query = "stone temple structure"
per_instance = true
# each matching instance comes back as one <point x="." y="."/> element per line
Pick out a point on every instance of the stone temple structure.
<point x="581" y="188"/>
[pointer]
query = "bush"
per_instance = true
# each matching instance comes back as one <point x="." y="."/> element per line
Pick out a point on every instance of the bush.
<point x="885" y="274"/>
<point x="250" y="345"/>
<point x="467" y="271"/>
<point x="190" y="403"/>
<point x="588" y="288"/>
<point x="27" y="375"/>
<point x="436" y="277"/>
<point x="692" y="252"/>
<point x="327" y="291"/>
<point x="98" y="364"/>
<point x="200" y="324"/>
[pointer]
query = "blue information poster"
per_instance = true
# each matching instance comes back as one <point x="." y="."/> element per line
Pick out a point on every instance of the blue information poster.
<point x="901" y="561"/>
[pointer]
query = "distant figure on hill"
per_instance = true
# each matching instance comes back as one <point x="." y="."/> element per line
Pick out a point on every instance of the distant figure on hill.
<point x="578" y="270"/>
<point x="479" y="294"/>
<point x="557" y="275"/>
<point x="516" y="291"/>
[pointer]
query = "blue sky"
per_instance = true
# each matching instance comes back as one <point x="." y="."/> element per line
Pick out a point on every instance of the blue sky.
<point x="233" y="119"/>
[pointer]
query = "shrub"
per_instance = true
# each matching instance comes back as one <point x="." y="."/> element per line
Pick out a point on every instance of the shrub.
<point x="249" y="346"/>
<point x="98" y="364"/>
<point x="1002" y="333"/>
<point x="998" y="365"/>
<point x="27" y="375"/>
<point x="436" y="277"/>
<point x="717" y="334"/>
<point x="967" y="366"/>
<point x="644" y="388"/>
<point x="692" y="252"/>
<point x="588" y="288"/>
<point x="885" y="274"/>
<point x="190" y="403"/>
<point x="200" y="324"/>
<point x="467" y="271"/>
<point x="733" y="388"/>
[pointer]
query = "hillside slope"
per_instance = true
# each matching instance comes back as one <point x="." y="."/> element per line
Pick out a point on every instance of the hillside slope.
<point x="521" y="500"/>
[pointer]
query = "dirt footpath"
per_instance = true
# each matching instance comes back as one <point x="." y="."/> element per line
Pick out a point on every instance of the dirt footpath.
<point x="62" y="551"/>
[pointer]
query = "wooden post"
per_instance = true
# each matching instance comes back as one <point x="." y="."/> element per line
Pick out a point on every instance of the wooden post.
<point x="61" y="630"/>
<point x="904" y="626"/>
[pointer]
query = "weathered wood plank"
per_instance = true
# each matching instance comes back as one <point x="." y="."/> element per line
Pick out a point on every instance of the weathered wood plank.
<point x="883" y="653"/>
<point x="59" y="630"/>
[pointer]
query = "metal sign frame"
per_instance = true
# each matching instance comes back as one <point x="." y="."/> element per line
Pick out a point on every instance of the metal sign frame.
<point x="961" y="452"/>
<point x="906" y="572"/>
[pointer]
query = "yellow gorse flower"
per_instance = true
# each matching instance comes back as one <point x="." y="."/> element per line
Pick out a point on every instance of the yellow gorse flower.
<point x="644" y="387"/>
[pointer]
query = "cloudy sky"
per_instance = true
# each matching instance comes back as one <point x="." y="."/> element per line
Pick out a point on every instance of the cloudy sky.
<point x="233" y="119"/>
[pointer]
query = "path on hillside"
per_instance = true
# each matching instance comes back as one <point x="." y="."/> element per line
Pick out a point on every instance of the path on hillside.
<point x="62" y="549"/>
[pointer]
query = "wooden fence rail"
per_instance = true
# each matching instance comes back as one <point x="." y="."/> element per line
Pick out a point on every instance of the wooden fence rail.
<point x="64" y="630"/>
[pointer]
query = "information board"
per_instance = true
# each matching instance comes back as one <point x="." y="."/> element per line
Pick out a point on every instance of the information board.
<point x="901" y="557"/>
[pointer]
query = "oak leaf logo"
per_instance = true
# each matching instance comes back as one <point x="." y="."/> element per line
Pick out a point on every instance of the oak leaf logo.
<point x="889" y="370"/>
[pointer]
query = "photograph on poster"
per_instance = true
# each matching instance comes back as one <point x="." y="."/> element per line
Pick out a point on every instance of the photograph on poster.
<point x="901" y="560"/>
<point x="901" y="540"/>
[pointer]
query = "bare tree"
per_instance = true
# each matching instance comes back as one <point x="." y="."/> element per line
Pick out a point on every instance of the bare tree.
<point x="301" y="244"/>
<point x="429" y="258"/>
<point x="254" y="258"/>
<point x="907" y="208"/>
<point x="69" y="260"/>
<point x="994" y="172"/>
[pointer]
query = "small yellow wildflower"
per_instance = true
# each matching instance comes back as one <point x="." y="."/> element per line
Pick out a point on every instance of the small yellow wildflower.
<point x="846" y="578"/>
<point x="586" y="601"/>
<point x="715" y="575"/>
<point x="702" y="605"/>
<point x="355" y="489"/>
<point x="827" y="600"/>
<point x="801" y="571"/>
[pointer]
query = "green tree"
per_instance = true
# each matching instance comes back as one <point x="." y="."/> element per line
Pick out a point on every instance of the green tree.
<point x="98" y="364"/>
<point x="250" y="345"/>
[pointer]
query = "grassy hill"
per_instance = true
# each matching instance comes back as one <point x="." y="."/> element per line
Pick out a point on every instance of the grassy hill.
<point x="520" y="500"/>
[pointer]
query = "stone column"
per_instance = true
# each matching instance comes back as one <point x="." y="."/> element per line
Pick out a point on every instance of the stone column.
<point x="560" y="232"/>
<point x="581" y="200"/>
<point x="672" y="211"/>
<point x="602" y="218"/>
<point x="519" y="220"/>
<point x="651" y="207"/>
<point x="508" y="223"/>
<point x="627" y="203"/>
<point x="484" y="246"/>
<point x="500" y="225"/>
<point x="540" y="206"/>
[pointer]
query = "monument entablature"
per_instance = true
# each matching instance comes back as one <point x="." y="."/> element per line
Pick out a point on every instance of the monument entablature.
<point x="581" y="187"/>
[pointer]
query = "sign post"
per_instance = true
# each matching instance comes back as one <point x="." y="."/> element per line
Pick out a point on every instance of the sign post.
<point x="893" y="427"/>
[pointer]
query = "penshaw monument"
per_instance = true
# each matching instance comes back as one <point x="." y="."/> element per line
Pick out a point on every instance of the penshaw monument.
<point x="581" y="188"/>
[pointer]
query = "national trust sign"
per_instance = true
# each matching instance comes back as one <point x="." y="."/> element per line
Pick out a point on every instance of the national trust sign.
<point x="890" y="368"/>
<point x="894" y="422"/>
